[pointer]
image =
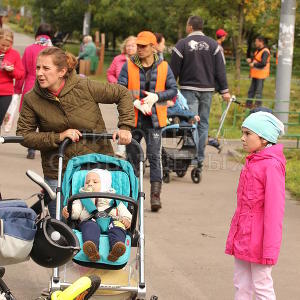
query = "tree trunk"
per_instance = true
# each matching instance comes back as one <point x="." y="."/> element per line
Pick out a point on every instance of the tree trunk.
<point x="239" y="47"/>
<point x="114" y="42"/>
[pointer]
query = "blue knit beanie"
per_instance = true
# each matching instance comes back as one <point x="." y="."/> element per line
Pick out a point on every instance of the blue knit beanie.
<point x="265" y="125"/>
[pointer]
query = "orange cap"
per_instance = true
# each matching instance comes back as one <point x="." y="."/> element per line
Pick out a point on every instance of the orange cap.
<point x="146" y="38"/>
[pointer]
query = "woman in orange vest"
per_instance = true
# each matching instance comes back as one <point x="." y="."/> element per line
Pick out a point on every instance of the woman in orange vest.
<point x="259" y="71"/>
<point x="151" y="83"/>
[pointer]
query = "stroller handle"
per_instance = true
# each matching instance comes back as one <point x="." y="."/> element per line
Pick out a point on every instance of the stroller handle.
<point x="11" y="139"/>
<point x="96" y="136"/>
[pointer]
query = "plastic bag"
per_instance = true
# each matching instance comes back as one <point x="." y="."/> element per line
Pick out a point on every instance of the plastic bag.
<point x="10" y="114"/>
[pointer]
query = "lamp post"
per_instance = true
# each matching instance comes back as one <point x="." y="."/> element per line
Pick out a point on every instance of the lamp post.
<point x="285" y="58"/>
<point x="87" y="20"/>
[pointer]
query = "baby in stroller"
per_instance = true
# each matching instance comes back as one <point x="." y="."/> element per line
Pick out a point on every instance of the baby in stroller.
<point x="98" y="180"/>
<point x="178" y="111"/>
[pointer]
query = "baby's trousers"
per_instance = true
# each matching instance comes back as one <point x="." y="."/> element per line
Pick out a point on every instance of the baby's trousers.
<point x="252" y="279"/>
<point x="91" y="232"/>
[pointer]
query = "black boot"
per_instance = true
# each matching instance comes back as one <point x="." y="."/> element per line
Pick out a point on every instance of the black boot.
<point x="155" y="196"/>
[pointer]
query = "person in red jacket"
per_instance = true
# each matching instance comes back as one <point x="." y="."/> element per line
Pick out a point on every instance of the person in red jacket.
<point x="11" y="68"/>
<point x="43" y="37"/>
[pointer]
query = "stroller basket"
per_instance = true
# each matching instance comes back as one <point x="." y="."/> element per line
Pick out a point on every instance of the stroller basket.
<point x="178" y="159"/>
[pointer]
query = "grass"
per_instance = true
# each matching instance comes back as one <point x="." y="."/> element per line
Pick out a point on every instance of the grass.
<point x="293" y="171"/>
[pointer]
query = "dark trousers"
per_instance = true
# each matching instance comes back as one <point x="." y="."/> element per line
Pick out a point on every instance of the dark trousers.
<point x="255" y="91"/>
<point x="4" y="104"/>
<point x="152" y="137"/>
<point x="91" y="232"/>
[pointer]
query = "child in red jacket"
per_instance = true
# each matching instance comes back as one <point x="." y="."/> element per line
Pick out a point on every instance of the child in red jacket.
<point x="255" y="233"/>
<point x="11" y="68"/>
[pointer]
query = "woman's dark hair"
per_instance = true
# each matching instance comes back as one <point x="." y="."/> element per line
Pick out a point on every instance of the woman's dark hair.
<point x="44" y="29"/>
<point x="196" y="22"/>
<point x="61" y="59"/>
<point x="159" y="37"/>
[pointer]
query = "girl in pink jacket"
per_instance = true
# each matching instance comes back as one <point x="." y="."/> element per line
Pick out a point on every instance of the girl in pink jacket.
<point x="255" y="233"/>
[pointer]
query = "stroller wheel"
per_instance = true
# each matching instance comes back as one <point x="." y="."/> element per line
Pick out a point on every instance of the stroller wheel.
<point x="166" y="177"/>
<point x="181" y="173"/>
<point x="153" y="297"/>
<point x="196" y="175"/>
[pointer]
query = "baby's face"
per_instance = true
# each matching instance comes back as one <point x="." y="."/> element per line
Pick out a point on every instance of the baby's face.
<point x="92" y="181"/>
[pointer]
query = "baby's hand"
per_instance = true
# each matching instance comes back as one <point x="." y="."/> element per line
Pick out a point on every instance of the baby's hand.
<point x="126" y="222"/>
<point x="170" y="103"/>
<point x="197" y="118"/>
<point x="65" y="212"/>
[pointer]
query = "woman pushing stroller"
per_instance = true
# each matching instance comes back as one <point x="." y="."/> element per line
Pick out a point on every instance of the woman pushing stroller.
<point x="61" y="104"/>
<point x="98" y="180"/>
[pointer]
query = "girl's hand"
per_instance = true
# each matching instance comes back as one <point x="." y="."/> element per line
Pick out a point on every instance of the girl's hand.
<point x="65" y="212"/>
<point x="72" y="134"/>
<point x="170" y="103"/>
<point x="126" y="223"/>
<point x="9" y="68"/>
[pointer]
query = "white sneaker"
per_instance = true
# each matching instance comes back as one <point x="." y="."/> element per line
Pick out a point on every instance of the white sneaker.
<point x="121" y="151"/>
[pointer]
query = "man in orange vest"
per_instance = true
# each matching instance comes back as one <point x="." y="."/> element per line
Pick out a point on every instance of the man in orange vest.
<point x="152" y="83"/>
<point x="259" y="71"/>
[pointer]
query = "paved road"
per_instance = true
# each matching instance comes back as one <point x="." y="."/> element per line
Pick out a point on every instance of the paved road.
<point x="184" y="242"/>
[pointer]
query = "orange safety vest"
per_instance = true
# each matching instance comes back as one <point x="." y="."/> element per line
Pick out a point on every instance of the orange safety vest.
<point x="264" y="72"/>
<point x="134" y="88"/>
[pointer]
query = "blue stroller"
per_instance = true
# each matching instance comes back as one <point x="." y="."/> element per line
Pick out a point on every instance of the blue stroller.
<point x="128" y="189"/>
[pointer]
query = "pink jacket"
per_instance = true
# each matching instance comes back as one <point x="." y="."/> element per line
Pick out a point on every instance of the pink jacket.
<point x="256" y="227"/>
<point x="115" y="68"/>
<point x="29" y="62"/>
<point x="11" y="57"/>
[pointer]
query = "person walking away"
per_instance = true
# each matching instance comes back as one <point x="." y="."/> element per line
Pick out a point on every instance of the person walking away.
<point x="43" y="37"/>
<point x="128" y="49"/>
<point x="10" y="68"/>
<point x="61" y="105"/>
<point x="198" y="63"/>
<point x="89" y="53"/>
<point x="161" y="45"/>
<point x="152" y="83"/>
<point x="255" y="233"/>
<point x="221" y="35"/>
<point x="259" y="70"/>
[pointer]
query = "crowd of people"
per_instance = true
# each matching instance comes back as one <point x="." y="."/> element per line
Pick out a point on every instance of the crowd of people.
<point x="57" y="104"/>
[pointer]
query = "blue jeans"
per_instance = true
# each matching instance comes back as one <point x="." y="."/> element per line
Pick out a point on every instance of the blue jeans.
<point x="200" y="103"/>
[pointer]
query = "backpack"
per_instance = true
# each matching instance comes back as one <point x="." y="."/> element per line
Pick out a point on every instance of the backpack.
<point x="17" y="231"/>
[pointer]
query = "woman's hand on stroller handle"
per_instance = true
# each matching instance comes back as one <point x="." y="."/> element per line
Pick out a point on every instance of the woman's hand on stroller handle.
<point x="73" y="134"/>
<point x="123" y="136"/>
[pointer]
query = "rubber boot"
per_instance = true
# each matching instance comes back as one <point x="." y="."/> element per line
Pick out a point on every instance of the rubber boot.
<point x="155" y="196"/>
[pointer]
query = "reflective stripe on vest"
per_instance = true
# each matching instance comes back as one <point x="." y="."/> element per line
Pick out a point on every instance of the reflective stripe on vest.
<point x="264" y="72"/>
<point x="134" y="87"/>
